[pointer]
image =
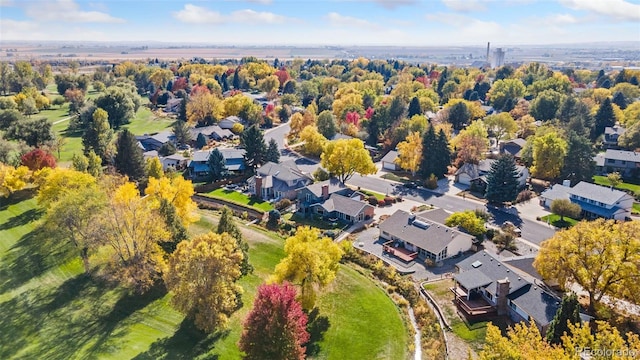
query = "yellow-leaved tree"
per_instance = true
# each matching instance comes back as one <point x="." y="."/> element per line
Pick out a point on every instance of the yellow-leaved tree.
<point x="177" y="191"/>
<point x="601" y="256"/>
<point x="202" y="275"/>
<point x="12" y="179"/>
<point x="345" y="157"/>
<point x="410" y="152"/>
<point x="313" y="141"/>
<point x="59" y="182"/>
<point x="311" y="262"/>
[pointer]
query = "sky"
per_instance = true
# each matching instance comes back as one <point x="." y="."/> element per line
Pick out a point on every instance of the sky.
<point x="323" y="22"/>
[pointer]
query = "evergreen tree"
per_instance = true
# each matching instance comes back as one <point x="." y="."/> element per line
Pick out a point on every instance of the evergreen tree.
<point x="181" y="132"/>
<point x="236" y="79"/>
<point x="182" y="113"/>
<point x="414" y="107"/>
<point x="436" y="155"/>
<point x="502" y="180"/>
<point x="226" y="224"/>
<point x="444" y="76"/>
<point x="217" y="165"/>
<point x="178" y="232"/>
<point x="579" y="164"/>
<point x="604" y="117"/>
<point x="254" y="146"/>
<point x="459" y="115"/>
<point x="569" y="311"/>
<point x="201" y="141"/>
<point x="273" y="153"/>
<point x="129" y="159"/>
<point x="619" y="99"/>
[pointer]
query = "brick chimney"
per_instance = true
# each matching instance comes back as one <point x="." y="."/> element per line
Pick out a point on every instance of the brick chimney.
<point x="502" y="291"/>
<point x="325" y="191"/>
<point x="259" y="186"/>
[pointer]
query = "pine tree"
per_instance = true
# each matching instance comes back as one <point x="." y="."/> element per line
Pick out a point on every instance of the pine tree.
<point x="181" y="132"/>
<point x="619" y="99"/>
<point x="436" y="155"/>
<point x="604" y="117"/>
<point x="182" y="113"/>
<point x="236" y="79"/>
<point x="129" y="159"/>
<point x="217" y="165"/>
<point x="414" y="107"/>
<point x="201" y="141"/>
<point x="273" y="153"/>
<point x="579" y="165"/>
<point x="569" y="311"/>
<point x="227" y="225"/>
<point x="254" y="146"/>
<point x="502" y="180"/>
<point x="174" y="225"/>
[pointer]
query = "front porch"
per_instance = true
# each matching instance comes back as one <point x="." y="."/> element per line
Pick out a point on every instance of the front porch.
<point x="395" y="249"/>
<point x="471" y="302"/>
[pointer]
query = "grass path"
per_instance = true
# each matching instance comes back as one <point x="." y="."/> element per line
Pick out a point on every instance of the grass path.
<point x="52" y="311"/>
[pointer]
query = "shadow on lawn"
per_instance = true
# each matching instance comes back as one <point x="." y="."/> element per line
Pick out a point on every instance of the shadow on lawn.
<point x="76" y="318"/>
<point x="317" y="326"/>
<point x="16" y="197"/>
<point x="22" y="219"/>
<point x="34" y="254"/>
<point x="186" y="343"/>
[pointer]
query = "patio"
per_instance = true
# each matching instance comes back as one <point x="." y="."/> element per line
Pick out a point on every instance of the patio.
<point x="474" y="306"/>
<point x="393" y="248"/>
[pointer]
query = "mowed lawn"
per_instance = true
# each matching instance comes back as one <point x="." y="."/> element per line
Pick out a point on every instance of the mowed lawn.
<point x="239" y="198"/>
<point x="52" y="311"/>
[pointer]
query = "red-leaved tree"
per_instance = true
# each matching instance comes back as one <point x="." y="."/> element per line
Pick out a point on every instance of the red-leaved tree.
<point x="283" y="76"/>
<point x="352" y="117"/>
<point x="369" y="113"/>
<point x="179" y="84"/>
<point x="37" y="159"/>
<point x="276" y="327"/>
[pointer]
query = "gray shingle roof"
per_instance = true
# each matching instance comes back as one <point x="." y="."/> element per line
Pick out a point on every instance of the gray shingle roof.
<point x="434" y="238"/>
<point x="435" y="215"/>
<point x="524" y="264"/>
<point x="494" y="270"/>
<point x="334" y="186"/>
<point x="599" y="193"/>
<point x="623" y="155"/>
<point x="390" y="157"/>
<point x="538" y="304"/>
<point x="472" y="279"/>
<point x="208" y="130"/>
<point x="344" y="205"/>
<point x="201" y="156"/>
<point x="557" y="191"/>
<point x="280" y="172"/>
<point x="229" y="153"/>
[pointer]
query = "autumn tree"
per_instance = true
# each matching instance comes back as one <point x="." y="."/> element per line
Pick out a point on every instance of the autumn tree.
<point x="178" y="192"/>
<point x="204" y="108"/>
<point x="313" y="141"/>
<point x="501" y="125"/>
<point x="548" y="151"/>
<point x="310" y="262"/>
<point x="132" y="229"/>
<point x="276" y="326"/>
<point x="468" y="221"/>
<point x="564" y="207"/>
<point x="98" y="135"/>
<point x="273" y="152"/>
<point x="472" y="143"/>
<point x="12" y="179"/>
<point x="601" y="256"/>
<point x="502" y="180"/>
<point x="202" y="275"/>
<point x="345" y="157"/>
<point x="504" y="90"/>
<point x="59" y="182"/>
<point x="227" y="225"/>
<point x="255" y="147"/>
<point x="37" y="159"/>
<point x="614" y="179"/>
<point x="410" y="153"/>
<point x="129" y="159"/>
<point x="326" y="124"/>
<point x="153" y="168"/>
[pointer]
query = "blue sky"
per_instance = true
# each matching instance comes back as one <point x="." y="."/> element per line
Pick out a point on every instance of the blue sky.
<point x="324" y="22"/>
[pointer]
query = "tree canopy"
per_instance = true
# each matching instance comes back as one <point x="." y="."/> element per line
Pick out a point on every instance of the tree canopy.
<point x="345" y="157"/>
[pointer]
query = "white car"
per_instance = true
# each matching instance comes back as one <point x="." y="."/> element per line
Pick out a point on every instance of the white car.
<point x="515" y="228"/>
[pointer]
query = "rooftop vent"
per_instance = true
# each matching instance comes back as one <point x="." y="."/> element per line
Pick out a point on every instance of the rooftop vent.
<point x="476" y="264"/>
<point x="412" y="217"/>
<point x="421" y="224"/>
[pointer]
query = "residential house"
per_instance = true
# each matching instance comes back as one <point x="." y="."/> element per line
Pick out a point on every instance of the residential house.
<point x="333" y="200"/>
<point x="174" y="162"/>
<point x="595" y="200"/>
<point x="389" y="161"/>
<point x="412" y="236"/>
<point x="611" y="135"/>
<point x="229" y="121"/>
<point x="486" y="287"/>
<point x="277" y="181"/>
<point x="233" y="159"/>
<point x="173" y="105"/>
<point x="627" y="163"/>
<point x="513" y="147"/>
<point x="212" y="132"/>
<point x="155" y="141"/>
<point x="469" y="174"/>
<point x="199" y="168"/>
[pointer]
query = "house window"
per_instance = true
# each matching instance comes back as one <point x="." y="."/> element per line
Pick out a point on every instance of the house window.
<point x="623" y="162"/>
<point x="611" y="161"/>
<point x="489" y="295"/>
<point x="308" y="197"/>
<point x="347" y="217"/>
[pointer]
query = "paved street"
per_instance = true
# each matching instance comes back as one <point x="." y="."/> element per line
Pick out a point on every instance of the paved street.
<point x="279" y="133"/>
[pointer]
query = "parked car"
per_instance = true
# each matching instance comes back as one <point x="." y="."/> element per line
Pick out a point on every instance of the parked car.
<point x="515" y="228"/>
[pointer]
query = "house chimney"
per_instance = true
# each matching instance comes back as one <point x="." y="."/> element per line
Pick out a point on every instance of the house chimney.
<point x="259" y="186"/>
<point x="325" y="191"/>
<point x="502" y="291"/>
<point x="566" y="183"/>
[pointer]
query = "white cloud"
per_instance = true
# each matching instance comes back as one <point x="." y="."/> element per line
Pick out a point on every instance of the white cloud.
<point x="465" y="5"/>
<point x="262" y="2"/>
<point x="193" y="14"/>
<point x="465" y="29"/>
<point x="66" y="11"/>
<point x="392" y="4"/>
<point x="560" y="19"/>
<point x="6" y="3"/>
<point x="342" y="20"/>
<point x="618" y="9"/>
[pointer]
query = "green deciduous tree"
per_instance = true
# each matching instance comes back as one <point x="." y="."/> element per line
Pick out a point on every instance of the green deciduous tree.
<point x="326" y="124"/>
<point x="503" y="90"/>
<point x="501" y="125"/>
<point x="202" y="275"/>
<point x="98" y="135"/>
<point x="545" y="106"/>
<point x="345" y="157"/>
<point x="459" y="115"/>
<point x="153" y="168"/>
<point x="227" y="225"/>
<point x="502" y="180"/>
<point x="564" y="207"/>
<point x="468" y="221"/>
<point x="119" y="104"/>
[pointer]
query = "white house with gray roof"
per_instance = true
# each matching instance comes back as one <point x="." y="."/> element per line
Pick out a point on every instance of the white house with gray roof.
<point x="627" y="163"/>
<point x="594" y="200"/>
<point x="486" y="287"/>
<point x="277" y="181"/>
<point x="413" y="236"/>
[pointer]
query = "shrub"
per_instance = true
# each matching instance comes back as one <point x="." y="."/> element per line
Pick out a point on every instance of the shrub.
<point x="431" y="182"/>
<point x="283" y="204"/>
<point x="372" y="200"/>
<point x="490" y="234"/>
<point x="524" y="196"/>
<point x="237" y="128"/>
<point x="482" y="214"/>
<point x="389" y="200"/>
<point x="381" y="203"/>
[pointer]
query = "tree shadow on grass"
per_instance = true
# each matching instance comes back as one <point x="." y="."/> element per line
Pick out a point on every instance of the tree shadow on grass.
<point x="22" y="219"/>
<point x="33" y="255"/>
<point x="317" y="326"/>
<point x="188" y="342"/>
<point x="16" y="197"/>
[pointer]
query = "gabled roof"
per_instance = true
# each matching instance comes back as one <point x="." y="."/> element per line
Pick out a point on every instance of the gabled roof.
<point x="175" y="156"/>
<point x="614" y="130"/>
<point x="390" y="157"/>
<point x="334" y="186"/>
<point x="622" y="155"/>
<point x="209" y="130"/>
<point x="525" y="265"/>
<point x="421" y="232"/>
<point x="201" y="156"/>
<point x="492" y="268"/>
<point x="232" y="153"/>
<point x="469" y="169"/>
<point x="343" y="205"/>
<point x="535" y="302"/>
<point x="517" y="141"/>
<point x="435" y="215"/>
<point x="280" y="172"/>
<point x="599" y="193"/>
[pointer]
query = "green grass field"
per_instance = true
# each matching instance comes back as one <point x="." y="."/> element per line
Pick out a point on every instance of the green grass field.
<point x="554" y="220"/>
<point x="378" y="195"/>
<point x="602" y="180"/>
<point x="235" y="197"/>
<point x="52" y="311"/>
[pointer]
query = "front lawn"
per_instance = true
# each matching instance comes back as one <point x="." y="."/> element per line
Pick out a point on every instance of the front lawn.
<point x="378" y="196"/>
<point x="316" y="223"/>
<point x="636" y="208"/>
<point x="554" y="220"/>
<point x="239" y="198"/>
<point x="602" y="180"/>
